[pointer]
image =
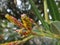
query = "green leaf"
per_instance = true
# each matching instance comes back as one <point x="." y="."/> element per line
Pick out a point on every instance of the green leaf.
<point x="55" y="27"/>
<point x="53" y="10"/>
<point x="58" y="43"/>
<point x="39" y="15"/>
<point x="59" y="4"/>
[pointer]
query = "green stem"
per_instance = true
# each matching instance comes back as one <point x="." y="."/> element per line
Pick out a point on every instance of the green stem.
<point x="26" y="39"/>
<point x="20" y="41"/>
<point x="45" y="11"/>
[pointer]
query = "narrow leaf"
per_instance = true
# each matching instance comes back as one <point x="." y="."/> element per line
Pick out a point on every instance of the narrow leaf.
<point x="38" y="15"/>
<point x="53" y="10"/>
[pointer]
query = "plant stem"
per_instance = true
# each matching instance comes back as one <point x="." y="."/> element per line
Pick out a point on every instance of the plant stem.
<point x="19" y="41"/>
<point x="45" y="11"/>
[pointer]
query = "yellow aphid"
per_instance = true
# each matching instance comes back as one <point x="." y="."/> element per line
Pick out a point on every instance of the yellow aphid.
<point x="7" y="15"/>
<point x="9" y="18"/>
<point x="26" y="21"/>
<point x="14" y="20"/>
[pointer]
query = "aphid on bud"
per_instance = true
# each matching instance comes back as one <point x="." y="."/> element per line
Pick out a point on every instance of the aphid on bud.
<point x="14" y="20"/>
<point x="26" y="22"/>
